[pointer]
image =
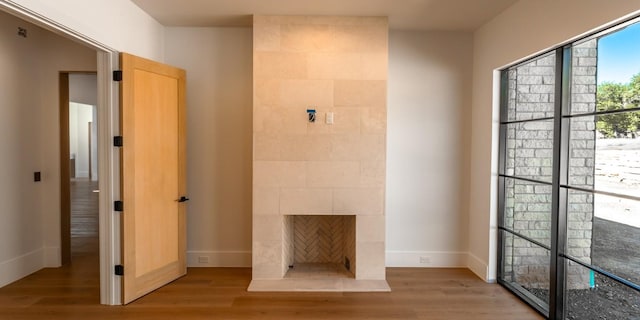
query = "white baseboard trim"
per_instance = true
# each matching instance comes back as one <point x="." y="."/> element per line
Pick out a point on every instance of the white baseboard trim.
<point x="426" y="259"/>
<point x="20" y="267"/>
<point x="401" y="259"/>
<point x="82" y="174"/>
<point x="479" y="267"/>
<point x="52" y="258"/>
<point x="233" y="259"/>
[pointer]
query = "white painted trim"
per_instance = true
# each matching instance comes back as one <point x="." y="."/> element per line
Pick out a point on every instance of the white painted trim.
<point x="493" y="183"/>
<point x="236" y="259"/>
<point x="431" y="259"/>
<point x="31" y="16"/>
<point x="479" y="267"/>
<point x="109" y="167"/>
<point x="20" y="267"/>
<point x="108" y="99"/>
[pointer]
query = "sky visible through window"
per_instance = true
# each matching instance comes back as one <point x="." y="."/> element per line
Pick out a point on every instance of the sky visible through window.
<point x="619" y="55"/>
<point x="617" y="161"/>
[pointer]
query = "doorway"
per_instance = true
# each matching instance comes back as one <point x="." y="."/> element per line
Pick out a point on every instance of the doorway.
<point x="111" y="182"/>
<point x="79" y="168"/>
<point x="105" y="60"/>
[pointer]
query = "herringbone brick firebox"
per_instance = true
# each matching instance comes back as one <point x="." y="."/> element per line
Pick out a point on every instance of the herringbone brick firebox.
<point x="321" y="239"/>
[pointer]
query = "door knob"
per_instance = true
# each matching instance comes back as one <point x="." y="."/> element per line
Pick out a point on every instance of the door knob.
<point x="183" y="199"/>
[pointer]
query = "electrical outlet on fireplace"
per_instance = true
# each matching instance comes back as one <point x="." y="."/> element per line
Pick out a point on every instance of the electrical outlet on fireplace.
<point x="424" y="259"/>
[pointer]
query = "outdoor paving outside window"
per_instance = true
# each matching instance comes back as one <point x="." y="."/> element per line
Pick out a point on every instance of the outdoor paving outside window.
<point x="569" y="183"/>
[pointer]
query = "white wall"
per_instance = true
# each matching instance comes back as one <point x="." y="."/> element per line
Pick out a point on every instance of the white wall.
<point x="118" y="24"/>
<point x="83" y="88"/>
<point x="427" y="158"/>
<point x="219" y="140"/>
<point x="79" y="117"/>
<point x="429" y="97"/>
<point x="21" y="240"/>
<point x="94" y="143"/>
<point x="29" y="131"/>
<point x="528" y="27"/>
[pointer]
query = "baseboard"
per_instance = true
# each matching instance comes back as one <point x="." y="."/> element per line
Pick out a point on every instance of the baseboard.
<point x="406" y="259"/>
<point x="235" y="259"/>
<point x="52" y="257"/>
<point x="20" y="267"/>
<point x="479" y="267"/>
<point x="82" y="174"/>
<point x="426" y="259"/>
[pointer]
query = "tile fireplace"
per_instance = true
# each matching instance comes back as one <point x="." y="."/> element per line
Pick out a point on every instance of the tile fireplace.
<point x="318" y="186"/>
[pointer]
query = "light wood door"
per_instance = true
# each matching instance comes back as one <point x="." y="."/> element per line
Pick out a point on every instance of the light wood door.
<point x="153" y="175"/>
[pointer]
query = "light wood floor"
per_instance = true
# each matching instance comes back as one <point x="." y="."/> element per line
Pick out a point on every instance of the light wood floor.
<point x="72" y="292"/>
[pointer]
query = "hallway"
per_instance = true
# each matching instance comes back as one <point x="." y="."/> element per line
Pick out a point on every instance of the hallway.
<point x="84" y="218"/>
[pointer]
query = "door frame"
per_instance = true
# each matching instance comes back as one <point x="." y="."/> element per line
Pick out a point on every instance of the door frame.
<point x="108" y="156"/>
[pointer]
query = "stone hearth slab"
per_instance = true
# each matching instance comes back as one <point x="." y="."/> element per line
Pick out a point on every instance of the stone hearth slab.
<point x="319" y="285"/>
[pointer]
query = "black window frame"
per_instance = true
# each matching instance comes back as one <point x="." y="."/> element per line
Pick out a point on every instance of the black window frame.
<point x="559" y="182"/>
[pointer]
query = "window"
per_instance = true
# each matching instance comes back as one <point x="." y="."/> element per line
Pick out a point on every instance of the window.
<point x="569" y="178"/>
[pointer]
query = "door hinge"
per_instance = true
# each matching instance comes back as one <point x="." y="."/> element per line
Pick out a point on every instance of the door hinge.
<point x="117" y="141"/>
<point x="117" y="75"/>
<point x="119" y="270"/>
<point x="118" y="206"/>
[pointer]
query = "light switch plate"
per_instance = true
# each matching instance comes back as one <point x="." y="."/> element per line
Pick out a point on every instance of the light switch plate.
<point x="329" y="118"/>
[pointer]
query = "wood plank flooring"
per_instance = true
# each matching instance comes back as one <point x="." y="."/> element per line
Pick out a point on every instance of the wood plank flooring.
<point x="72" y="292"/>
<point x="220" y="293"/>
<point x="84" y="208"/>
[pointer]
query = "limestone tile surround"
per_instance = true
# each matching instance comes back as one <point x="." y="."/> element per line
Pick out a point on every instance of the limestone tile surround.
<point x="331" y="64"/>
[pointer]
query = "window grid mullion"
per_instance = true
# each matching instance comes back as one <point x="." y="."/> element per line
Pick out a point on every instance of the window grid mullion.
<point x="558" y="202"/>
<point x="504" y="96"/>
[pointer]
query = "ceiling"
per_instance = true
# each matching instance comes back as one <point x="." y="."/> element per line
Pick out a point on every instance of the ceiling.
<point x="442" y="15"/>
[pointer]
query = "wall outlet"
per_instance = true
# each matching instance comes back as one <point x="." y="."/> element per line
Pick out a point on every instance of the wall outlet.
<point x="425" y="260"/>
<point x="203" y="259"/>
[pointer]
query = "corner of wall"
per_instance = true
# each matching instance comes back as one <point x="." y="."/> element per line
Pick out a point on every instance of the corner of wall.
<point x="512" y="36"/>
<point x="52" y="257"/>
<point x="479" y="267"/>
